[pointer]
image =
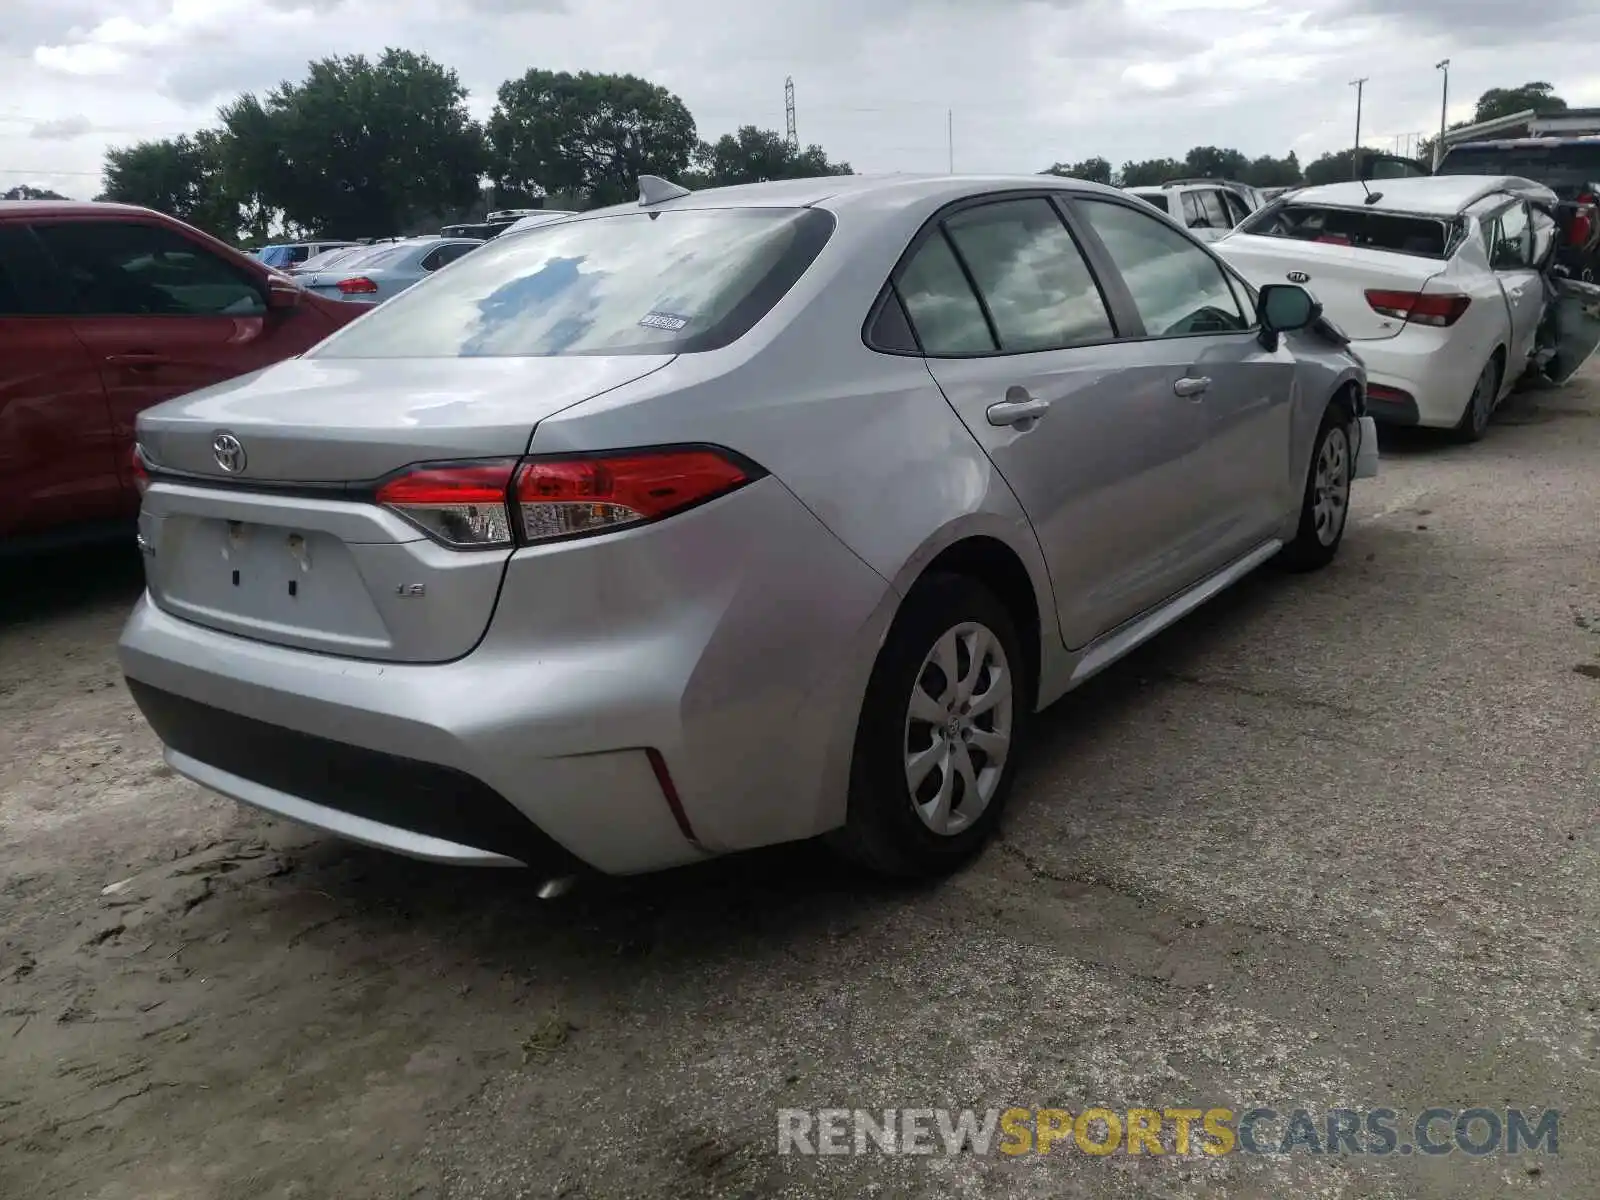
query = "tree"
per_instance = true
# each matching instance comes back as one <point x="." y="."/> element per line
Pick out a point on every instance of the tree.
<point x="25" y="191"/>
<point x="183" y="176"/>
<point x="1150" y="172"/>
<point x="1504" y="102"/>
<point x="1267" y="171"/>
<point x="587" y="133"/>
<point x="1334" y="168"/>
<point x="752" y="154"/>
<point x="1095" y="170"/>
<point x="1212" y="162"/>
<point x="359" y="145"/>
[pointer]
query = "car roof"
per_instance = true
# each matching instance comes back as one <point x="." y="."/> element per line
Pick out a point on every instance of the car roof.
<point x="1524" y="143"/>
<point x="840" y="192"/>
<point x="1434" y="195"/>
<point x="39" y="208"/>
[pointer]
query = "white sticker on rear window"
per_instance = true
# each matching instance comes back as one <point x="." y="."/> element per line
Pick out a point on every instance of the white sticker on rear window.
<point x="660" y="320"/>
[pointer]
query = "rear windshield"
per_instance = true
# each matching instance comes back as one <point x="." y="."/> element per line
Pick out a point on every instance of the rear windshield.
<point x="1158" y="199"/>
<point x="328" y="258"/>
<point x="1426" y="237"/>
<point x="1564" y="168"/>
<point x="669" y="282"/>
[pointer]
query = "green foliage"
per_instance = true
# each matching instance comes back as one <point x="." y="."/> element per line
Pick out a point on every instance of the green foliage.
<point x="587" y="133"/>
<point x="24" y="191"/>
<point x="1503" y="102"/>
<point x="358" y="145"/>
<point x="1095" y="170"/>
<point x="753" y="154"/>
<point x="183" y="176"/>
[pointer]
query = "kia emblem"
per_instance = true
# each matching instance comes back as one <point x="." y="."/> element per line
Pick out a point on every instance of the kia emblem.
<point x="1299" y="277"/>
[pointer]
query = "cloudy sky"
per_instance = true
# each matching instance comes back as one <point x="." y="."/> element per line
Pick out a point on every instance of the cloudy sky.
<point x="1029" y="82"/>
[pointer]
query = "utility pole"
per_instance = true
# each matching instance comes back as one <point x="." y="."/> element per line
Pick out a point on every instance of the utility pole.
<point x="1360" y="86"/>
<point x="788" y="111"/>
<point x="1444" y="107"/>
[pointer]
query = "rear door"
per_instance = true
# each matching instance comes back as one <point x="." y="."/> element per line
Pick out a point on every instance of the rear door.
<point x="1098" y="451"/>
<point x="163" y="314"/>
<point x="58" y="457"/>
<point x="1202" y="339"/>
<point x="1510" y="237"/>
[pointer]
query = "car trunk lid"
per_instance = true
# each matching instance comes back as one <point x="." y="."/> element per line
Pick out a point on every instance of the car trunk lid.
<point x="289" y="547"/>
<point x="1338" y="275"/>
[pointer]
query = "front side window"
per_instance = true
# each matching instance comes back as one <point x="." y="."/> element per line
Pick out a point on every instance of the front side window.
<point x="1512" y="247"/>
<point x="675" y="281"/>
<point x="1156" y="200"/>
<point x="1177" y="288"/>
<point x="1238" y="210"/>
<point x="1039" y="291"/>
<point x="128" y="269"/>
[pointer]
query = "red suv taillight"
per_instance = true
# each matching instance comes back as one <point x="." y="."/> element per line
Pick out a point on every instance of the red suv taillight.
<point x="359" y="286"/>
<point x="136" y="468"/>
<point x="483" y="505"/>
<point x="1440" y="309"/>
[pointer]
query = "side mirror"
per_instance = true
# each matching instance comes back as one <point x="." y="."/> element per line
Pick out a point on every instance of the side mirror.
<point x="1284" y="307"/>
<point x="282" y="293"/>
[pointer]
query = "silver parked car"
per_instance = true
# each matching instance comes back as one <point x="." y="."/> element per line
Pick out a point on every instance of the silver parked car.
<point x="380" y="271"/>
<point x="726" y="519"/>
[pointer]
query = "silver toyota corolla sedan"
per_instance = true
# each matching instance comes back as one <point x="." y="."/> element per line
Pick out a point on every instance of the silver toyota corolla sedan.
<point x="726" y="518"/>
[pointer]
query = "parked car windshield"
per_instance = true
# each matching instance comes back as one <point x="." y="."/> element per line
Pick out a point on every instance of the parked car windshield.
<point x="1565" y="168"/>
<point x="669" y="282"/>
<point x="1427" y="237"/>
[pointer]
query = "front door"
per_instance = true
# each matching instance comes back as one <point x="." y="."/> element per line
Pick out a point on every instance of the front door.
<point x="160" y="313"/>
<point x="58" y="464"/>
<point x="1577" y="328"/>
<point x="1085" y="430"/>
<point x="1512" y="255"/>
<point x="1200" y="330"/>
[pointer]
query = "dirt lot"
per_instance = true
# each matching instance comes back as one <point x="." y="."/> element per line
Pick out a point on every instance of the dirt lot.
<point x="1332" y="841"/>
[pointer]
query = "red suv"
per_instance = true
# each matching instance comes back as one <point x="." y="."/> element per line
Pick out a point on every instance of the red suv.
<point x="104" y="311"/>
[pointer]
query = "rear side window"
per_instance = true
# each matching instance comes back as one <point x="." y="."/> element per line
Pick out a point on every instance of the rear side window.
<point x="1035" y="284"/>
<point x="128" y="269"/>
<point x="440" y="255"/>
<point x="1426" y="237"/>
<point x="1178" y="288"/>
<point x="1216" y="214"/>
<point x="1156" y="200"/>
<point x="1238" y="210"/>
<point x="941" y="304"/>
<point x="26" y="276"/>
<point x="675" y="281"/>
<point x="1193" y="215"/>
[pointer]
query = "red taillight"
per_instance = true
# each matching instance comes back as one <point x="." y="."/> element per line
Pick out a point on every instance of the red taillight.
<point x="359" y="286"/>
<point x="467" y="506"/>
<point x="1419" y="308"/>
<point x="463" y="506"/>
<point x="136" y="468"/>
<point x="1333" y="239"/>
<point x="564" y="497"/>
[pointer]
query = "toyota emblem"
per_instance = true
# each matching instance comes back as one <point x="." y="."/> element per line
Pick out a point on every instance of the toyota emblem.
<point x="1299" y="277"/>
<point x="228" y="452"/>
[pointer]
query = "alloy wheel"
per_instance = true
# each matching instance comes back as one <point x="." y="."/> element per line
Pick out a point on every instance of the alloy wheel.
<point x="1331" y="486"/>
<point x="958" y="728"/>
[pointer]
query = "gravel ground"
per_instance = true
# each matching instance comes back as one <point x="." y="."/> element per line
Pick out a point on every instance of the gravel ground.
<point x="1332" y="841"/>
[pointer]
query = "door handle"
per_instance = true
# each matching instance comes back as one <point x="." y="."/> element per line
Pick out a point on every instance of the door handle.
<point x="1018" y="408"/>
<point x="136" y="360"/>
<point x="1191" y="385"/>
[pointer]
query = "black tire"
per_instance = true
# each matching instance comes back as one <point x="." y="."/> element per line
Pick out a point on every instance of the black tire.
<point x="1312" y="546"/>
<point x="883" y="831"/>
<point x="1475" y="416"/>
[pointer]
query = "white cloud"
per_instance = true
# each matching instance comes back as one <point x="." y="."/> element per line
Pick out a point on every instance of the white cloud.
<point x="1027" y="82"/>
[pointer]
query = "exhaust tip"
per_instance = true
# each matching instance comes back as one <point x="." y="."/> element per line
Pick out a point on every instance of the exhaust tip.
<point x="554" y="889"/>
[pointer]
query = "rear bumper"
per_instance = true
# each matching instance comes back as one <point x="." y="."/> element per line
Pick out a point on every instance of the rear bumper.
<point x="1434" y="374"/>
<point x="728" y="640"/>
